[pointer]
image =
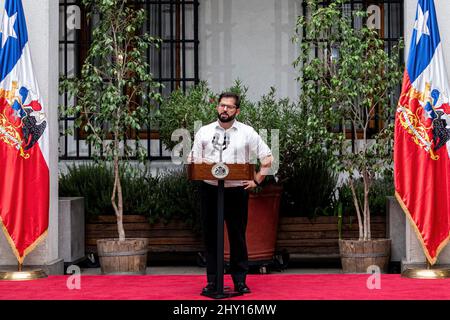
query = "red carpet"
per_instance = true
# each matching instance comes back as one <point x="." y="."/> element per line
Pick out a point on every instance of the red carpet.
<point x="264" y="287"/>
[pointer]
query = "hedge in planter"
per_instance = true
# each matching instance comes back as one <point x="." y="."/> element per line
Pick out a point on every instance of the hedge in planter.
<point x="160" y="198"/>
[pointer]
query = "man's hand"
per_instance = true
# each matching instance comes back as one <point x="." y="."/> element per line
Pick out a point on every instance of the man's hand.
<point x="266" y="165"/>
<point x="249" y="184"/>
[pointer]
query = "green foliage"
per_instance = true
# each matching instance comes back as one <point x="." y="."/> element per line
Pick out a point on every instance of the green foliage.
<point x="159" y="198"/>
<point x="380" y="189"/>
<point x="177" y="196"/>
<point x="94" y="182"/>
<point x="310" y="191"/>
<point x="182" y="110"/>
<point x="139" y="188"/>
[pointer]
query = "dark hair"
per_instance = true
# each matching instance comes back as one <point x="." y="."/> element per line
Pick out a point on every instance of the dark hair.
<point x="236" y="97"/>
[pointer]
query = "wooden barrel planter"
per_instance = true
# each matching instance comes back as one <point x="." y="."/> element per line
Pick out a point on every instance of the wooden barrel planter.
<point x="358" y="255"/>
<point x="262" y="225"/>
<point x="123" y="257"/>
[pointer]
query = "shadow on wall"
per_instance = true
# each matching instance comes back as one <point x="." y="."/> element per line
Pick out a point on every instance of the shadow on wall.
<point x="217" y="35"/>
<point x="249" y="40"/>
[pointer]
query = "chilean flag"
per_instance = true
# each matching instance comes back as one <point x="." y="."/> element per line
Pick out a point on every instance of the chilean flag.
<point x="24" y="139"/>
<point x="422" y="136"/>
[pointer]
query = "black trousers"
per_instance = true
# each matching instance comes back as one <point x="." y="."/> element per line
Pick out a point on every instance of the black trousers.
<point x="236" y="216"/>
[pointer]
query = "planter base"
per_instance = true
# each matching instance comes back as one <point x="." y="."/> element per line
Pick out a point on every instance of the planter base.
<point x="431" y="273"/>
<point x="123" y="257"/>
<point x="357" y="256"/>
<point x="262" y="226"/>
<point x="22" y="275"/>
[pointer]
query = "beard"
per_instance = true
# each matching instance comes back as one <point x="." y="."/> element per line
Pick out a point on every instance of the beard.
<point x="225" y="117"/>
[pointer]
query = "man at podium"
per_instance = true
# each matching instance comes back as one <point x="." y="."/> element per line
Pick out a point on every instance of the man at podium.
<point x="229" y="141"/>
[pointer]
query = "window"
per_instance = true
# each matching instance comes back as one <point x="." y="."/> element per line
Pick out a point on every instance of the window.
<point x="387" y="17"/>
<point x="175" y="64"/>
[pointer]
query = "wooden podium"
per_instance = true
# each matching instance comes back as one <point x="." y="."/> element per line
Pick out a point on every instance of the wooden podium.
<point x="222" y="172"/>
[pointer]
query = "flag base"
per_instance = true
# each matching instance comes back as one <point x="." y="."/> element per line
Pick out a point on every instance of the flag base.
<point x="22" y="275"/>
<point x="426" y="273"/>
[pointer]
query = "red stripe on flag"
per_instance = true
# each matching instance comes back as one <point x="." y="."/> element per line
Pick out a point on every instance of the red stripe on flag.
<point x="422" y="183"/>
<point x="24" y="202"/>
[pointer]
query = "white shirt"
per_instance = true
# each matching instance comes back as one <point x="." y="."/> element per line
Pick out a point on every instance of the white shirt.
<point x="242" y="145"/>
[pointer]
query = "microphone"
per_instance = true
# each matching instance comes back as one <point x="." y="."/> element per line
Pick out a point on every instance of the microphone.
<point x="226" y="141"/>
<point x="215" y="139"/>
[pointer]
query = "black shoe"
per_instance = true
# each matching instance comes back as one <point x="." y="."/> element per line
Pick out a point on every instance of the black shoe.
<point x="210" y="288"/>
<point x="241" y="287"/>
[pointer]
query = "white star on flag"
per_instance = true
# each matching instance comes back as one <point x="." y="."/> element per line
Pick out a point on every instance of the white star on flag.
<point x="421" y="24"/>
<point x="7" y="27"/>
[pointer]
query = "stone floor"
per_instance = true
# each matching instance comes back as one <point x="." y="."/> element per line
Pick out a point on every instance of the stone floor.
<point x="189" y="265"/>
<point x="175" y="270"/>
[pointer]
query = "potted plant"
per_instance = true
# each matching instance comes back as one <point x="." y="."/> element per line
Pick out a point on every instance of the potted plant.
<point x="113" y="95"/>
<point x="351" y="82"/>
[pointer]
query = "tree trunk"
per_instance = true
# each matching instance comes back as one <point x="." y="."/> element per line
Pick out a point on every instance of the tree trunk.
<point x="367" y="233"/>
<point x="120" y="196"/>
<point x="358" y="211"/>
<point x="118" y="207"/>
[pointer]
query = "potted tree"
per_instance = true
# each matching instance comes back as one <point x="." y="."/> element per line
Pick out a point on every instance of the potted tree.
<point x="351" y="82"/>
<point x="113" y="95"/>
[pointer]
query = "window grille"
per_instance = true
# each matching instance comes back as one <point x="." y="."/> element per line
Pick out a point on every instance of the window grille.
<point x="388" y="19"/>
<point x="175" y="64"/>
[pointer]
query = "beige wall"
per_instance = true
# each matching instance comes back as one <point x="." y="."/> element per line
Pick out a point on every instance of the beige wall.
<point x="249" y="40"/>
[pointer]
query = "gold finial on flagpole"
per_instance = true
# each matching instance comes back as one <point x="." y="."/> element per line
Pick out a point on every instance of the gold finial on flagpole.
<point x="22" y="275"/>
<point x="428" y="273"/>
